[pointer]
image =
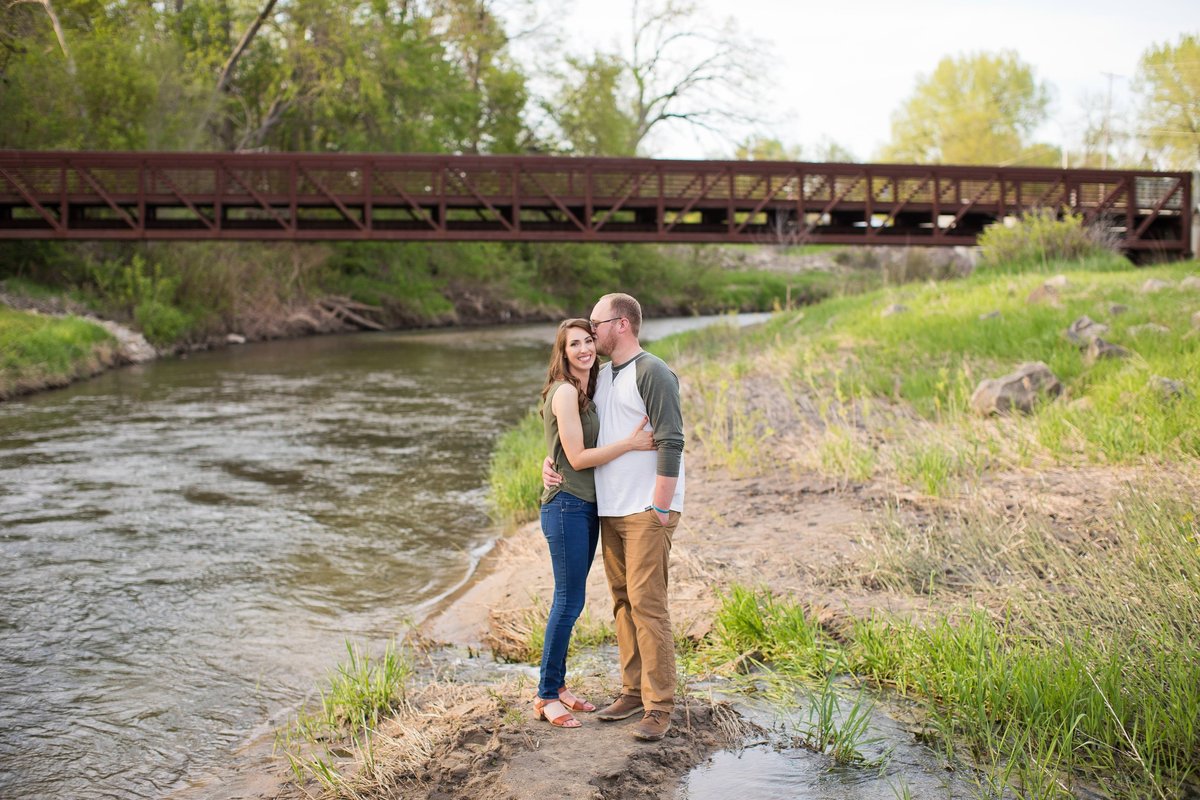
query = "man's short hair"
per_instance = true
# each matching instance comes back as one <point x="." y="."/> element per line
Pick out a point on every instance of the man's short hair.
<point x="627" y="306"/>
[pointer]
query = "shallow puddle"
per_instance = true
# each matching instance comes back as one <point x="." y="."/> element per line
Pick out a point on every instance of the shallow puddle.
<point x="775" y="766"/>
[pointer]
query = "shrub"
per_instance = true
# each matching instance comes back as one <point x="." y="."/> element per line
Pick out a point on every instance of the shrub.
<point x="161" y="324"/>
<point x="1039" y="238"/>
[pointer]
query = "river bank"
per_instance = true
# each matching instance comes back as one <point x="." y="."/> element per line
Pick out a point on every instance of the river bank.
<point x="156" y="300"/>
<point x="849" y="518"/>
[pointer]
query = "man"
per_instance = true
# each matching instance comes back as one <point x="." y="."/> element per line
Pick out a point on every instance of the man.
<point x="640" y="499"/>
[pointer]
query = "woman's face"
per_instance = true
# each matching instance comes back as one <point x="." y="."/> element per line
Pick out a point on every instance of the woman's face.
<point x="581" y="349"/>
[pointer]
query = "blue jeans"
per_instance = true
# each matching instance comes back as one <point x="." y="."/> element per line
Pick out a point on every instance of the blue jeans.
<point x="572" y="530"/>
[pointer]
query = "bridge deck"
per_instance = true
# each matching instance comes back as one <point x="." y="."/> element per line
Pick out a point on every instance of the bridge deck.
<point x="301" y="196"/>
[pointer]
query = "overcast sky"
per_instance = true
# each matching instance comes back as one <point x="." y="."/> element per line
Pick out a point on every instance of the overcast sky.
<point x="842" y="67"/>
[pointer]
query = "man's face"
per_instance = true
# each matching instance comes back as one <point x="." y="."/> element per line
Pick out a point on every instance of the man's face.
<point x="604" y="328"/>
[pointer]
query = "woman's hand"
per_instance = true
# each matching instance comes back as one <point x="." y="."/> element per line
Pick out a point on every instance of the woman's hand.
<point x="641" y="439"/>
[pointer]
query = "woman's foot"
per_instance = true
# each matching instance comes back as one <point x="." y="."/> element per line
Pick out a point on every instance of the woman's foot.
<point x="554" y="712"/>
<point x="572" y="702"/>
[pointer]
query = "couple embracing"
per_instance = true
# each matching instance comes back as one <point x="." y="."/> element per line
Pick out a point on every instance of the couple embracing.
<point x="614" y="474"/>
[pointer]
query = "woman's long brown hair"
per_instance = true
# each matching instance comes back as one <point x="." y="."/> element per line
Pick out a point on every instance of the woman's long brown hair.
<point x="560" y="368"/>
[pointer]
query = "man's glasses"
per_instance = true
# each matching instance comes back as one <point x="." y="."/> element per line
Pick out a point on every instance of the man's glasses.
<point x="596" y="324"/>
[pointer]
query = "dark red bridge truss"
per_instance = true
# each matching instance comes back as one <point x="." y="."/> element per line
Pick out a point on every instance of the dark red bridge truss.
<point x="300" y="196"/>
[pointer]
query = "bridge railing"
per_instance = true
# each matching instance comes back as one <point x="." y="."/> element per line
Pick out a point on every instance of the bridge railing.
<point x="301" y="196"/>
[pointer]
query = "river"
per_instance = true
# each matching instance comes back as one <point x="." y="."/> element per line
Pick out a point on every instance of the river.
<point x="187" y="545"/>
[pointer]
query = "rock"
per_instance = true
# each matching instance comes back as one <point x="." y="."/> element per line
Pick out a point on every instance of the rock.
<point x="1190" y="282"/>
<point x="1196" y="319"/>
<point x="1083" y="330"/>
<point x="1149" y="327"/>
<point x="989" y="315"/>
<point x="1098" y="350"/>
<point x="1168" y="388"/>
<point x="1043" y="294"/>
<point x="1155" y="285"/>
<point x="1117" y="308"/>
<point x="1017" y="391"/>
<point x="132" y="345"/>
<point x="234" y="338"/>
<point x="1057" y="282"/>
<point x="894" y="308"/>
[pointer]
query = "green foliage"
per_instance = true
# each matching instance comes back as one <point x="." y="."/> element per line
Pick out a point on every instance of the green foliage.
<point x="979" y="108"/>
<point x="318" y="75"/>
<point x="362" y="691"/>
<point x="1168" y="79"/>
<point x="759" y="626"/>
<point x="161" y="324"/>
<point x="765" y="148"/>
<point x="1068" y="687"/>
<point x="1040" y="238"/>
<point x="38" y="350"/>
<point x="515" y="471"/>
<point x="588" y="108"/>
<point x="144" y="294"/>
<point x="933" y="357"/>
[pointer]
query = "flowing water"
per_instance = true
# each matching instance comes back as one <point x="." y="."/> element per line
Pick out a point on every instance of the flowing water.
<point x="186" y="546"/>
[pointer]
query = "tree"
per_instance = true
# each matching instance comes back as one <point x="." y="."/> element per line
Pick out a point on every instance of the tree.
<point x="676" y="70"/>
<point x="589" y="110"/>
<point x="765" y="148"/>
<point x="979" y="108"/>
<point x="1168" y="80"/>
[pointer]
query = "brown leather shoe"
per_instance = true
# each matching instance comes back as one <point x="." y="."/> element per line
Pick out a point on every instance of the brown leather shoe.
<point x="624" y="706"/>
<point x="653" y="726"/>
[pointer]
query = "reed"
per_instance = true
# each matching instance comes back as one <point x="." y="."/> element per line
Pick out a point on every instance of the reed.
<point x="515" y="472"/>
<point x="1086" y="673"/>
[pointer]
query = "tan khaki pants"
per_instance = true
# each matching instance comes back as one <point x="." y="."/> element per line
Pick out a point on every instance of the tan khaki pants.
<point x="636" y="551"/>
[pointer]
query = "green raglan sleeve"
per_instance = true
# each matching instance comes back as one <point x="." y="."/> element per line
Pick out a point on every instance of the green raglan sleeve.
<point x="659" y="388"/>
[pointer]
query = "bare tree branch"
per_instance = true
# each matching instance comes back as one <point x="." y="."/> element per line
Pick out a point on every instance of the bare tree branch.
<point x="58" y="29"/>
<point x="227" y="70"/>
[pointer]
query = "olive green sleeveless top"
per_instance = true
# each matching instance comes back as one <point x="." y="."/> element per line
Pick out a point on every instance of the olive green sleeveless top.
<point x="579" y="483"/>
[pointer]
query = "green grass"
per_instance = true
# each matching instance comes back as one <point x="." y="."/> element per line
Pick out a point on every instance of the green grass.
<point x="38" y="351"/>
<point x="515" y="472"/>
<point x="362" y="691"/>
<point x="931" y="358"/>
<point x="1089" y="678"/>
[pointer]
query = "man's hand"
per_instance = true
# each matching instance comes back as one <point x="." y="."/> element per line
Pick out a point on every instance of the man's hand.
<point x="550" y="478"/>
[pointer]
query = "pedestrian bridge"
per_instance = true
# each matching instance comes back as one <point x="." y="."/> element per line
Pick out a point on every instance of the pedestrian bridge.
<point x="368" y="196"/>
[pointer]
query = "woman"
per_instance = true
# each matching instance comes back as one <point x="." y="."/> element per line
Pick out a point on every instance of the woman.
<point x="569" y="519"/>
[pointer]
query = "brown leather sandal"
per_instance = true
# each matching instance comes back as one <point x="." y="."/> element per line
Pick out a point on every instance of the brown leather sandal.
<point x="564" y="720"/>
<point x="568" y="699"/>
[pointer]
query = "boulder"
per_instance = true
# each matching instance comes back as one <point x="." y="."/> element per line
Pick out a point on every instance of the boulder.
<point x="234" y="338"/>
<point x="1149" y="327"/>
<point x="1083" y="330"/>
<point x="1098" y="350"/>
<point x="894" y="308"/>
<point x="1017" y="391"/>
<point x="1190" y="282"/>
<point x="1057" y="282"/>
<point x="1155" y="285"/>
<point x="1117" y="308"/>
<point x="1167" y="388"/>
<point x="1043" y="294"/>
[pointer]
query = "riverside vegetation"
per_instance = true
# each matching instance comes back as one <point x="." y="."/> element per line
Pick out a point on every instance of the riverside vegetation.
<point x="1049" y="562"/>
<point x="1048" y="655"/>
<point x="185" y="296"/>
